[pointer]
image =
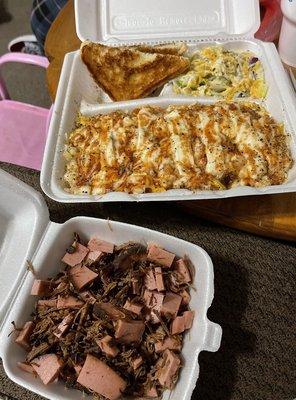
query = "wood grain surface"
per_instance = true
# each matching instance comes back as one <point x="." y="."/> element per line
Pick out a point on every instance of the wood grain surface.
<point x="60" y="40"/>
<point x="267" y="215"/>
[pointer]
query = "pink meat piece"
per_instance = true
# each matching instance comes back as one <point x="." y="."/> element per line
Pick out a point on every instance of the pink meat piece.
<point x="77" y="257"/>
<point x="147" y="297"/>
<point x="106" y="346"/>
<point x="170" y="343"/>
<point x="47" y="303"/>
<point x="47" y="367"/>
<point x="160" y="256"/>
<point x="94" y="256"/>
<point x="88" y="297"/>
<point x="178" y="325"/>
<point x="182" y="270"/>
<point x="113" y="312"/>
<point x="96" y="244"/>
<point x="156" y="301"/>
<point x="181" y="323"/>
<point x="159" y="279"/>
<point x="150" y="282"/>
<point x="23" y="338"/>
<point x="137" y="362"/>
<point x="169" y="370"/>
<point x="81" y="276"/>
<point x="99" y="377"/>
<point x="77" y="368"/>
<point x="129" y="331"/>
<point x="153" y="317"/>
<point x="171" y="304"/>
<point x="64" y="326"/>
<point x="69" y="302"/>
<point x="188" y="319"/>
<point x="41" y="288"/>
<point x="153" y="301"/>
<point x="133" y="307"/>
<point x="185" y="297"/>
<point x="151" y="392"/>
<point x="136" y="288"/>
<point x="26" y="367"/>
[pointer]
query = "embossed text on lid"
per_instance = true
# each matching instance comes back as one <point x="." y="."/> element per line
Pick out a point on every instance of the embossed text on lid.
<point x="115" y="21"/>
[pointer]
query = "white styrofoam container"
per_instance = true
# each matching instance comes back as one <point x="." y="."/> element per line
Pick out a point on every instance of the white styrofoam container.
<point x="44" y="243"/>
<point x="231" y="23"/>
<point x="123" y="21"/>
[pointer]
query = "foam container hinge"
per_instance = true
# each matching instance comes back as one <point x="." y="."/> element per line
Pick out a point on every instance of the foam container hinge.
<point x="204" y="335"/>
<point x="23" y="219"/>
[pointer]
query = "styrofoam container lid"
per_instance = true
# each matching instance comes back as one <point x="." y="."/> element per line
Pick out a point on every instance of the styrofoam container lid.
<point x="23" y="219"/>
<point x="124" y="21"/>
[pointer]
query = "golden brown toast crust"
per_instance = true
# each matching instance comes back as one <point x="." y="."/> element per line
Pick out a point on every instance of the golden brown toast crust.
<point x="126" y="73"/>
<point x="176" y="49"/>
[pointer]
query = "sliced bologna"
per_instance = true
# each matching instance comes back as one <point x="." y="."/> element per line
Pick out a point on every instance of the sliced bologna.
<point x="160" y="256"/>
<point x="99" y="377"/>
<point x="77" y="256"/>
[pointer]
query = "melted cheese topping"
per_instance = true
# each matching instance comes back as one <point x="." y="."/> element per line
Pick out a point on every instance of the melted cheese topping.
<point x="197" y="147"/>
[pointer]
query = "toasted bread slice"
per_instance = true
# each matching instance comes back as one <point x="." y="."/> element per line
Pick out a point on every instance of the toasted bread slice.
<point x="126" y="73"/>
<point x="176" y="49"/>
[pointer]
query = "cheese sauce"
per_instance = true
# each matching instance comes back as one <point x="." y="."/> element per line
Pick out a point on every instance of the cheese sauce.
<point x="197" y="147"/>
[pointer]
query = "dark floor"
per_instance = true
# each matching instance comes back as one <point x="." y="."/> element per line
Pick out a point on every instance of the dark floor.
<point x="254" y="277"/>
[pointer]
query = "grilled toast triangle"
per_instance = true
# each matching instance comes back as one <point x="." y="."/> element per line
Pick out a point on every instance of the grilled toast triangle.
<point x="176" y="49"/>
<point x="126" y="73"/>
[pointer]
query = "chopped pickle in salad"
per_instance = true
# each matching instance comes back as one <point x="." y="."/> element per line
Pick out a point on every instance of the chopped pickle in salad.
<point x="216" y="71"/>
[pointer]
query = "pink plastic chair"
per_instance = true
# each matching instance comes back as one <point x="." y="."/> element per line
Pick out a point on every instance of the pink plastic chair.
<point x="23" y="127"/>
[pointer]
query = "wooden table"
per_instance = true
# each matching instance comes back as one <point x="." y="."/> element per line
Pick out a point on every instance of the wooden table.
<point x="268" y="215"/>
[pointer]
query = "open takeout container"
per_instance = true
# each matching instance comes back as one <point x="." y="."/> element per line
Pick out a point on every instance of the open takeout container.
<point x="231" y="23"/>
<point x="28" y="234"/>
